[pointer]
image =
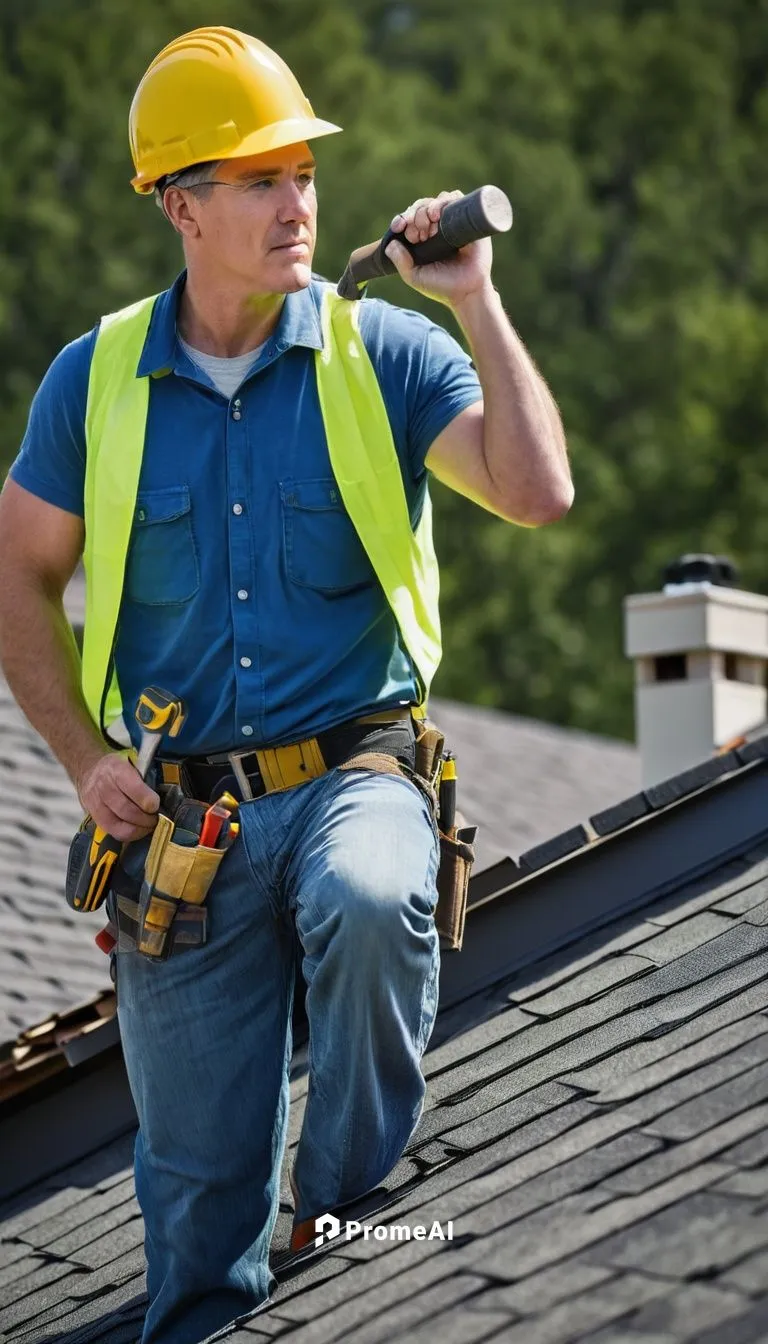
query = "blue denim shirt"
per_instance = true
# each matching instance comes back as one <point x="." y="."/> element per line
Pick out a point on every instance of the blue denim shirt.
<point x="247" y="590"/>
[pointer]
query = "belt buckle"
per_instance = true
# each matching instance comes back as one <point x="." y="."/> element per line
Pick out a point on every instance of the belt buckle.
<point x="235" y="759"/>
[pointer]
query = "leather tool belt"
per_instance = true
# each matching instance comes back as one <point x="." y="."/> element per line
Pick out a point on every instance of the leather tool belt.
<point x="393" y="741"/>
<point x="252" y="772"/>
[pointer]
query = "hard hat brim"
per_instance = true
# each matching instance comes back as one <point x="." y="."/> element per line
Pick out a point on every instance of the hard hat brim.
<point x="277" y="136"/>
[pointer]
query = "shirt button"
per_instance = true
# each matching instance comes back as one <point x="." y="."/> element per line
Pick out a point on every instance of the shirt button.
<point x="245" y="662"/>
<point x="236" y="415"/>
<point x="246" y="730"/>
<point x="242" y="593"/>
<point x="237" y="508"/>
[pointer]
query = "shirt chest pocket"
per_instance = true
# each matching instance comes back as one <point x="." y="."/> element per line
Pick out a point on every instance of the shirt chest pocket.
<point x="322" y="548"/>
<point x="162" y="567"/>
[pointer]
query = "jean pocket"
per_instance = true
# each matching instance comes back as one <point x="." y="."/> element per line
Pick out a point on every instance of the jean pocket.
<point x="322" y="548"/>
<point x="162" y="567"/>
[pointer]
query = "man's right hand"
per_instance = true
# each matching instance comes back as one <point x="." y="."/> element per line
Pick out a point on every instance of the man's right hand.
<point x="118" y="799"/>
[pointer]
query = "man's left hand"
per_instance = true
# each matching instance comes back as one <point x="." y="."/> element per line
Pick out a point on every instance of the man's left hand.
<point x="448" y="282"/>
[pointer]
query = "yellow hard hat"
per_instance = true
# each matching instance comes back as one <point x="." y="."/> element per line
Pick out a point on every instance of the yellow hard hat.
<point x="215" y="93"/>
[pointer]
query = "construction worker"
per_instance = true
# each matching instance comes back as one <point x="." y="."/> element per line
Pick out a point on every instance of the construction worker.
<point x="203" y="453"/>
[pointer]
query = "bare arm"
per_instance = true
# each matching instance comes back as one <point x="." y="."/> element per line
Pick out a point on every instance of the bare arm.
<point x="508" y="452"/>
<point x="517" y="430"/>
<point x="39" y="549"/>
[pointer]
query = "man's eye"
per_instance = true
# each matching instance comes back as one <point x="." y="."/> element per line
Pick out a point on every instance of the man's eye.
<point x="306" y="179"/>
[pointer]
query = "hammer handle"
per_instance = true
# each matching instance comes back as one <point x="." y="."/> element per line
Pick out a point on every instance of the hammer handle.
<point x="478" y="215"/>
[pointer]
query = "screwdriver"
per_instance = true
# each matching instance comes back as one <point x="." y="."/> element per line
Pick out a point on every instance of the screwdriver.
<point x="448" y="793"/>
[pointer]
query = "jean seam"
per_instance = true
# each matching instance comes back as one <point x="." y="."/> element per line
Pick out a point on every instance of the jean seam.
<point x="274" y="918"/>
<point x="434" y="974"/>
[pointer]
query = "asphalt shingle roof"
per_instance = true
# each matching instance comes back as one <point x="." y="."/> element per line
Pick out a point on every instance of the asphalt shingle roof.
<point x="48" y="959"/>
<point x="598" y="1138"/>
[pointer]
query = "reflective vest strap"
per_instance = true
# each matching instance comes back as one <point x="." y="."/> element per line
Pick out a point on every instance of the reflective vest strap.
<point x="115" y="424"/>
<point x="368" y="472"/>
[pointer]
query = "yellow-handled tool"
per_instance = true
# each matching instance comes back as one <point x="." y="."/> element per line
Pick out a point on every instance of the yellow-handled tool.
<point x="94" y="852"/>
<point x="157" y="713"/>
<point x="94" y="867"/>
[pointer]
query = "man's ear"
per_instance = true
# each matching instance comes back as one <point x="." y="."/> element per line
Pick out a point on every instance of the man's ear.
<point x="177" y="209"/>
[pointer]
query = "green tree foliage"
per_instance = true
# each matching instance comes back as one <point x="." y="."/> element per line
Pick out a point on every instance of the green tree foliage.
<point x="631" y="138"/>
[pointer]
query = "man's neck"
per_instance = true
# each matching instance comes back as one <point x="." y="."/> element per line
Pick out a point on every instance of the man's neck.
<point x="222" y="322"/>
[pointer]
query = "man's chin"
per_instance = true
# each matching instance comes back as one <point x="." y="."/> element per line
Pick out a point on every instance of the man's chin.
<point x="295" y="273"/>
<point x="302" y="271"/>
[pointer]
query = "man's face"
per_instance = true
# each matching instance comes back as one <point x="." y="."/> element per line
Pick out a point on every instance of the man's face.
<point x="261" y="225"/>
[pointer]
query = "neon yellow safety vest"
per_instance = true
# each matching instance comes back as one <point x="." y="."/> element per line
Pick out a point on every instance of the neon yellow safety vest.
<point x="363" y="459"/>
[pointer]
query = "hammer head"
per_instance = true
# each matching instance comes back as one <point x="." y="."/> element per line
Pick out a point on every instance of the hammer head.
<point x="157" y="711"/>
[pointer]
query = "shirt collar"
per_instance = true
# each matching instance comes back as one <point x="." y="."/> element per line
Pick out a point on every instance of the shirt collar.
<point x="299" y="324"/>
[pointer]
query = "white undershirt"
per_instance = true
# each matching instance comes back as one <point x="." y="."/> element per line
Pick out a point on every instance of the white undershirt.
<point x="226" y="373"/>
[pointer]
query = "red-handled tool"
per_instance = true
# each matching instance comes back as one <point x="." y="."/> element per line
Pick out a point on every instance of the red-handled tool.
<point x="212" y="823"/>
<point x="106" y="938"/>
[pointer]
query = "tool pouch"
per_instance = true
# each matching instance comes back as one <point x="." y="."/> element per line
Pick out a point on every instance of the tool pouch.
<point x="457" y="852"/>
<point x="173" y="874"/>
<point x="429" y="749"/>
<point x="188" y="929"/>
<point x="456" y="858"/>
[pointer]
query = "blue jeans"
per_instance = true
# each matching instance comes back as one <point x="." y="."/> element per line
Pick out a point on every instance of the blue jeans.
<point x="348" y="862"/>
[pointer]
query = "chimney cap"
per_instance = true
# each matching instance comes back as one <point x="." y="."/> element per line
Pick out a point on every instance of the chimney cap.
<point x="701" y="568"/>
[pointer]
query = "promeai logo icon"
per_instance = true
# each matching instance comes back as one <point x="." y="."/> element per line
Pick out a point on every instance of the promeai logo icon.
<point x="326" y="1228"/>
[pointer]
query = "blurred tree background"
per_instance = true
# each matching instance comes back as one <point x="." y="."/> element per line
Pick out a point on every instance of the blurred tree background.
<point x="631" y="137"/>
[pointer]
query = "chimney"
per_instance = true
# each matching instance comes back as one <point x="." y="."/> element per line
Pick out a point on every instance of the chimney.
<point x="700" y="648"/>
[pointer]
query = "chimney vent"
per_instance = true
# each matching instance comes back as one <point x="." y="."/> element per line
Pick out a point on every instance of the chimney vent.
<point x="700" y="649"/>
<point x="694" y="568"/>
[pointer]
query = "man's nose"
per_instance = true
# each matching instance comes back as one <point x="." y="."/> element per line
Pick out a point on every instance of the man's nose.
<point x="294" y="205"/>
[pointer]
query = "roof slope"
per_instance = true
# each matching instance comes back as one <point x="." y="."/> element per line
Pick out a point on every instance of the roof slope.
<point x="598" y="1138"/>
<point x="521" y="780"/>
<point x="48" y="959"/>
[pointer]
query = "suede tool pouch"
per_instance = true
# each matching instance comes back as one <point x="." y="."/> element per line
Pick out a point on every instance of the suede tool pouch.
<point x="189" y="927"/>
<point x="181" y="873"/>
<point x="186" y="872"/>
<point x="429" y="746"/>
<point x="456" y="858"/>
